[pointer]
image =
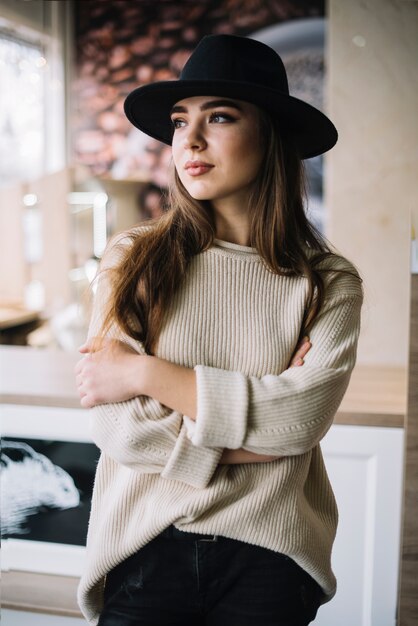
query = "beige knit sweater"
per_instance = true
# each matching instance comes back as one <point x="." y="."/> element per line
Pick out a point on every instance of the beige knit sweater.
<point x="237" y="324"/>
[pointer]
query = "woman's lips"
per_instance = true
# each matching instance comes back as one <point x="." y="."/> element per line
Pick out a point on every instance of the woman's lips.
<point x="198" y="168"/>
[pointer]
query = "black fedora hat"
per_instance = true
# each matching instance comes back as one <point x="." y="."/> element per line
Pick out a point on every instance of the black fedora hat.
<point x="240" y="68"/>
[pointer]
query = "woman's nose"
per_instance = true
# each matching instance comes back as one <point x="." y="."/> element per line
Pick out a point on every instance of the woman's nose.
<point x="194" y="137"/>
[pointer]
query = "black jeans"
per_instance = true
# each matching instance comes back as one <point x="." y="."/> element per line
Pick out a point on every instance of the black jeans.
<point x="184" y="579"/>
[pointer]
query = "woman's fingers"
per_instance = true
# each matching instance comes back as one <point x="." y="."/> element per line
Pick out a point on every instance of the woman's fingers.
<point x="302" y="349"/>
<point x="95" y="343"/>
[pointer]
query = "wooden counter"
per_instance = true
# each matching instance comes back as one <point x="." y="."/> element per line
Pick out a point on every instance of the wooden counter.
<point x="38" y="376"/>
<point x="11" y="316"/>
<point x="376" y="396"/>
<point x="41" y="593"/>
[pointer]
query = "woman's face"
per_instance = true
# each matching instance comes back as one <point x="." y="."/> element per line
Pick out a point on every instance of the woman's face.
<point x="217" y="148"/>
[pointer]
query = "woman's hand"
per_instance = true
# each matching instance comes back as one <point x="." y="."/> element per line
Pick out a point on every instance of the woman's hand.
<point x="110" y="374"/>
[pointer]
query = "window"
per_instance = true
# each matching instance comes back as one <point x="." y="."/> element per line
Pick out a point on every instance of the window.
<point x="22" y="118"/>
<point x="33" y="62"/>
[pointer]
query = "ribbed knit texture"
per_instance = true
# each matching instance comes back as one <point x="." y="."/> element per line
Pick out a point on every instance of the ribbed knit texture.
<point x="237" y="324"/>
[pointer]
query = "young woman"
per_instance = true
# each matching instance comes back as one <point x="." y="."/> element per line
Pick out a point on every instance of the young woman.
<point x="211" y="502"/>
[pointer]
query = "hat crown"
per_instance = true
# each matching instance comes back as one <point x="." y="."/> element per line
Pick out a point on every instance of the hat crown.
<point x="237" y="60"/>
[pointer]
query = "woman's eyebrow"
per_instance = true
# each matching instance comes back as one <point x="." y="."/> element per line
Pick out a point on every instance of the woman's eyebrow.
<point x="220" y="103"/>
<point x="207" y="105"/>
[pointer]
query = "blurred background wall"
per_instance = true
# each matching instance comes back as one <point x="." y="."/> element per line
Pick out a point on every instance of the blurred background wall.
<point x="96" y="175"/>
<point x="372" y="175"/>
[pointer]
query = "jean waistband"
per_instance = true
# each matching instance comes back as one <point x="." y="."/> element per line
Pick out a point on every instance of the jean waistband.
<point x="174" y="533"/>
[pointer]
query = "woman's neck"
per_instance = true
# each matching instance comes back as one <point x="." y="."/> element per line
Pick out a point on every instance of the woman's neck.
<point x="233" y="226"/>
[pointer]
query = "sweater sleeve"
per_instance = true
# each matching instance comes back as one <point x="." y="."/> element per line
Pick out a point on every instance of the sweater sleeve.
<point x="285" y="414"/>
<point x="141" y="433"/>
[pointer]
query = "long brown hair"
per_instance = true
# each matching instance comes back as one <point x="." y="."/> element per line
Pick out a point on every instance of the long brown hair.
<point x="155" y="262"/>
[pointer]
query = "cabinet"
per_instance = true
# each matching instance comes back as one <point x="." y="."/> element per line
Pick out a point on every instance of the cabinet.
<point x="47" y="481"/>
<point x="365" y="466"/>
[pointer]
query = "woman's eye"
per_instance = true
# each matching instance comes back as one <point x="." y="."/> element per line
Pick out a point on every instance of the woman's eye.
<point x="177" y="122"/>
<point x="220" y="117"/>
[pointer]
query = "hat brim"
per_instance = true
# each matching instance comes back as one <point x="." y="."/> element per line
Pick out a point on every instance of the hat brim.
<point x="148" y="108"/>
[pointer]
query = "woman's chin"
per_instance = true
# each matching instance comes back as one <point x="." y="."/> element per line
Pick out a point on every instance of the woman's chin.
<point x="199" y="195"/>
